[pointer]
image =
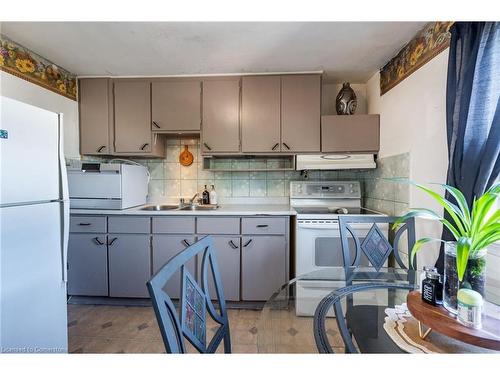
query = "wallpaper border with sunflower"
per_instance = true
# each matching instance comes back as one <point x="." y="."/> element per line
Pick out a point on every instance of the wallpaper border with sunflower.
<point x="23" y="63"/>
<point x="427" y="44"/>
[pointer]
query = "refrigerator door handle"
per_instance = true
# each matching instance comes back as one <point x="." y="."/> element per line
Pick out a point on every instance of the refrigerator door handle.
<point x="65" y="239"/>
<point x="64" y="196"/>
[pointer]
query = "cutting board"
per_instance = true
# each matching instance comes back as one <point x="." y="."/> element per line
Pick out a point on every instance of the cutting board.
<point x="186" y="157"/>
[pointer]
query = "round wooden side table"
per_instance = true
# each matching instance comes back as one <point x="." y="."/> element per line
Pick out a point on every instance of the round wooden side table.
<point x="437" y="318"/>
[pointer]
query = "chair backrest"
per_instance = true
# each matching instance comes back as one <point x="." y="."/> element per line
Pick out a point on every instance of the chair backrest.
<point x="194" y="303"/>
<point x="376" y="245"/>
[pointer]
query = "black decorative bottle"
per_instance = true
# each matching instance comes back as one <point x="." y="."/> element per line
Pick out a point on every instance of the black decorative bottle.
<point x="432" y="288"/>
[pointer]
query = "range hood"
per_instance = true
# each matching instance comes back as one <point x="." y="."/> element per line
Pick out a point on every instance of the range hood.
<point x="335" y="161"/>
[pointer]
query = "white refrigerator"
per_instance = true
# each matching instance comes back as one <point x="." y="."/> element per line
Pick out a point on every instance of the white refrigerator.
<point x="34" y="225"/>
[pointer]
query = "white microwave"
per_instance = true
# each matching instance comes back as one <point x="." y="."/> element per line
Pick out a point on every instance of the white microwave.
<point x="107" y="186"/>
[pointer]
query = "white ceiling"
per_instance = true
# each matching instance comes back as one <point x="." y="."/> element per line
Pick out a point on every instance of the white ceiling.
<point x="350" y="51"/>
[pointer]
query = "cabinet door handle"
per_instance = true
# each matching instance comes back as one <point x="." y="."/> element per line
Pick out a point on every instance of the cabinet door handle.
<point x="231" y="243"/>
<point x="287" y="147"/>
<point x="101" y="148"/>
<point x="275" y="146"/>
<point x="248" y="243"/>
<point x="156" y="124"/>
<point x="84" y="224"/>
<point x="144" y="146"/>
<point x="207" y="146"/>
<point x="262" y="226"/>
<point x="186" y="243"/>
<point x="97" y="241"/>
<point x="112" y="241"/>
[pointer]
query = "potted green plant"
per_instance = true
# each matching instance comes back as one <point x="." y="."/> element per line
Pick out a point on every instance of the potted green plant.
<point x="473" y="229"/>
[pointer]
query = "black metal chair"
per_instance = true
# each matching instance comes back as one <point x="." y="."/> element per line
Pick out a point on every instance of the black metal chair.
<point x="194" y="303"/>
<point x="364" y="321"/>
<point x="374" y="343"/>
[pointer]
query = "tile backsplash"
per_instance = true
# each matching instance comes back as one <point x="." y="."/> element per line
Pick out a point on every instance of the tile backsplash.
<point x="385" y="195"/>
<point x="171" y="181"/>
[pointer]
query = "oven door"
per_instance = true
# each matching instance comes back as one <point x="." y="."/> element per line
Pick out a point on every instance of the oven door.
<point x="319" y="245"/>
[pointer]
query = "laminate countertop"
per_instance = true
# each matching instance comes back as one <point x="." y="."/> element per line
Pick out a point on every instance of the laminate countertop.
<point x="223" y="210"/>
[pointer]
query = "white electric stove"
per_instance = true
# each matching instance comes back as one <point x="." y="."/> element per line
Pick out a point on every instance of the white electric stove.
<point x="318" y="246"/>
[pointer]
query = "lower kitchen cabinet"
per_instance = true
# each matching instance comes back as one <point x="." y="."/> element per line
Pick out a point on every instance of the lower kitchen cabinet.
<point x="87" y="264"/>
<point x="263" y="266"/>
<point x="164" y="248"/>
<point x="227" y="251"/>
<point x="116" y="255"/>
<point x="129" y="265"/>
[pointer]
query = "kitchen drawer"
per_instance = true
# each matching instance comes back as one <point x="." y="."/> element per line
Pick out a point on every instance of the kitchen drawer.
<point x="125" y="224"/>
<point x="87" y="224"/>
<point x="218" y="225"/>
<point x="254" y="225"/>
<point x="173" y="225"/>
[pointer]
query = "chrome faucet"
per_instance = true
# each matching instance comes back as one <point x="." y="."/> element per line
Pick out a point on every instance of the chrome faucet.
<point x="191" y="201"/>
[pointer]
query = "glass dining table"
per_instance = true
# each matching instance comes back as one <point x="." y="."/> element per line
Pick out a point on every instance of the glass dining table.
<point x="301" y="316"/>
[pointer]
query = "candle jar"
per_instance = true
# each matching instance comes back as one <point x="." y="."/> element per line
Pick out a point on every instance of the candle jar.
<point x="469" y="307"/>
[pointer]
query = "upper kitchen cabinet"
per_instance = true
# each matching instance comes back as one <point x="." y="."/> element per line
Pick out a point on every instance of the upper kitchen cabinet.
<point x="220" y="131"/>
<point x="176" y="106"/>
<point x="96" y="111"/>
<point x="132" y="103"/>
<point x="260" y="114"/>
<point x="354" y="133"/>
<point x="300" y="113"/>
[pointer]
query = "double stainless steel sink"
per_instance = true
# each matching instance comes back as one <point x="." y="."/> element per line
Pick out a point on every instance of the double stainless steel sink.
<point x="160" y="207"/>
<point x="171" y="207"/>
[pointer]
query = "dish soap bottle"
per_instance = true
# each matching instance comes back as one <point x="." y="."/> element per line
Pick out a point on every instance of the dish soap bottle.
<point x="213" y="195"/>
<point x="205" y="197"/>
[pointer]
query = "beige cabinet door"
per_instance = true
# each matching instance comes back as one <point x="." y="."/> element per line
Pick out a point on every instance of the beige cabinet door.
<point x="95" y="116"/>
<point x="263" y="266"/>
<point x="260" y="114"/>
<point x="176" y="106"/>
<point x="300" y="113"/>
<point x="132" y="116"/>
<point x="220" y="123"/>
<point x="354" y="133"/>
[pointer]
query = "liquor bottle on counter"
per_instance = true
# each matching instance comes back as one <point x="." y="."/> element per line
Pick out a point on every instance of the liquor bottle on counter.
<point x="205" y="196"/>
<point x="213" y="195"/>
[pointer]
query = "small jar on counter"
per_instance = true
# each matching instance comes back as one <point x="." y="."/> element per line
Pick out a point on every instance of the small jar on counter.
<point x="432" y="288"/>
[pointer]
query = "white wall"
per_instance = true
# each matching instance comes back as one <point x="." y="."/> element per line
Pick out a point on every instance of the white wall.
<point x="24" y="91"/>
<point x="413" y="119"/>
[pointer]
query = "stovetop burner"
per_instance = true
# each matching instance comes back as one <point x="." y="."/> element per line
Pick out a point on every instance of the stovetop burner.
<point x="334" y="210"/>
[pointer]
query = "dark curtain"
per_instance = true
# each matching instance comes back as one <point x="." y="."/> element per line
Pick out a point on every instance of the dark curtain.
<point x="472" y="110"/>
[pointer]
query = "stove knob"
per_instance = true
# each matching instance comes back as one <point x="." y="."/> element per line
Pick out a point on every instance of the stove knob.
<point x="342" y="210"/>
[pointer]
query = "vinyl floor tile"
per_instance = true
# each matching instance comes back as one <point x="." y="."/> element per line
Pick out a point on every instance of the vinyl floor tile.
<point x="120" y="329"/>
